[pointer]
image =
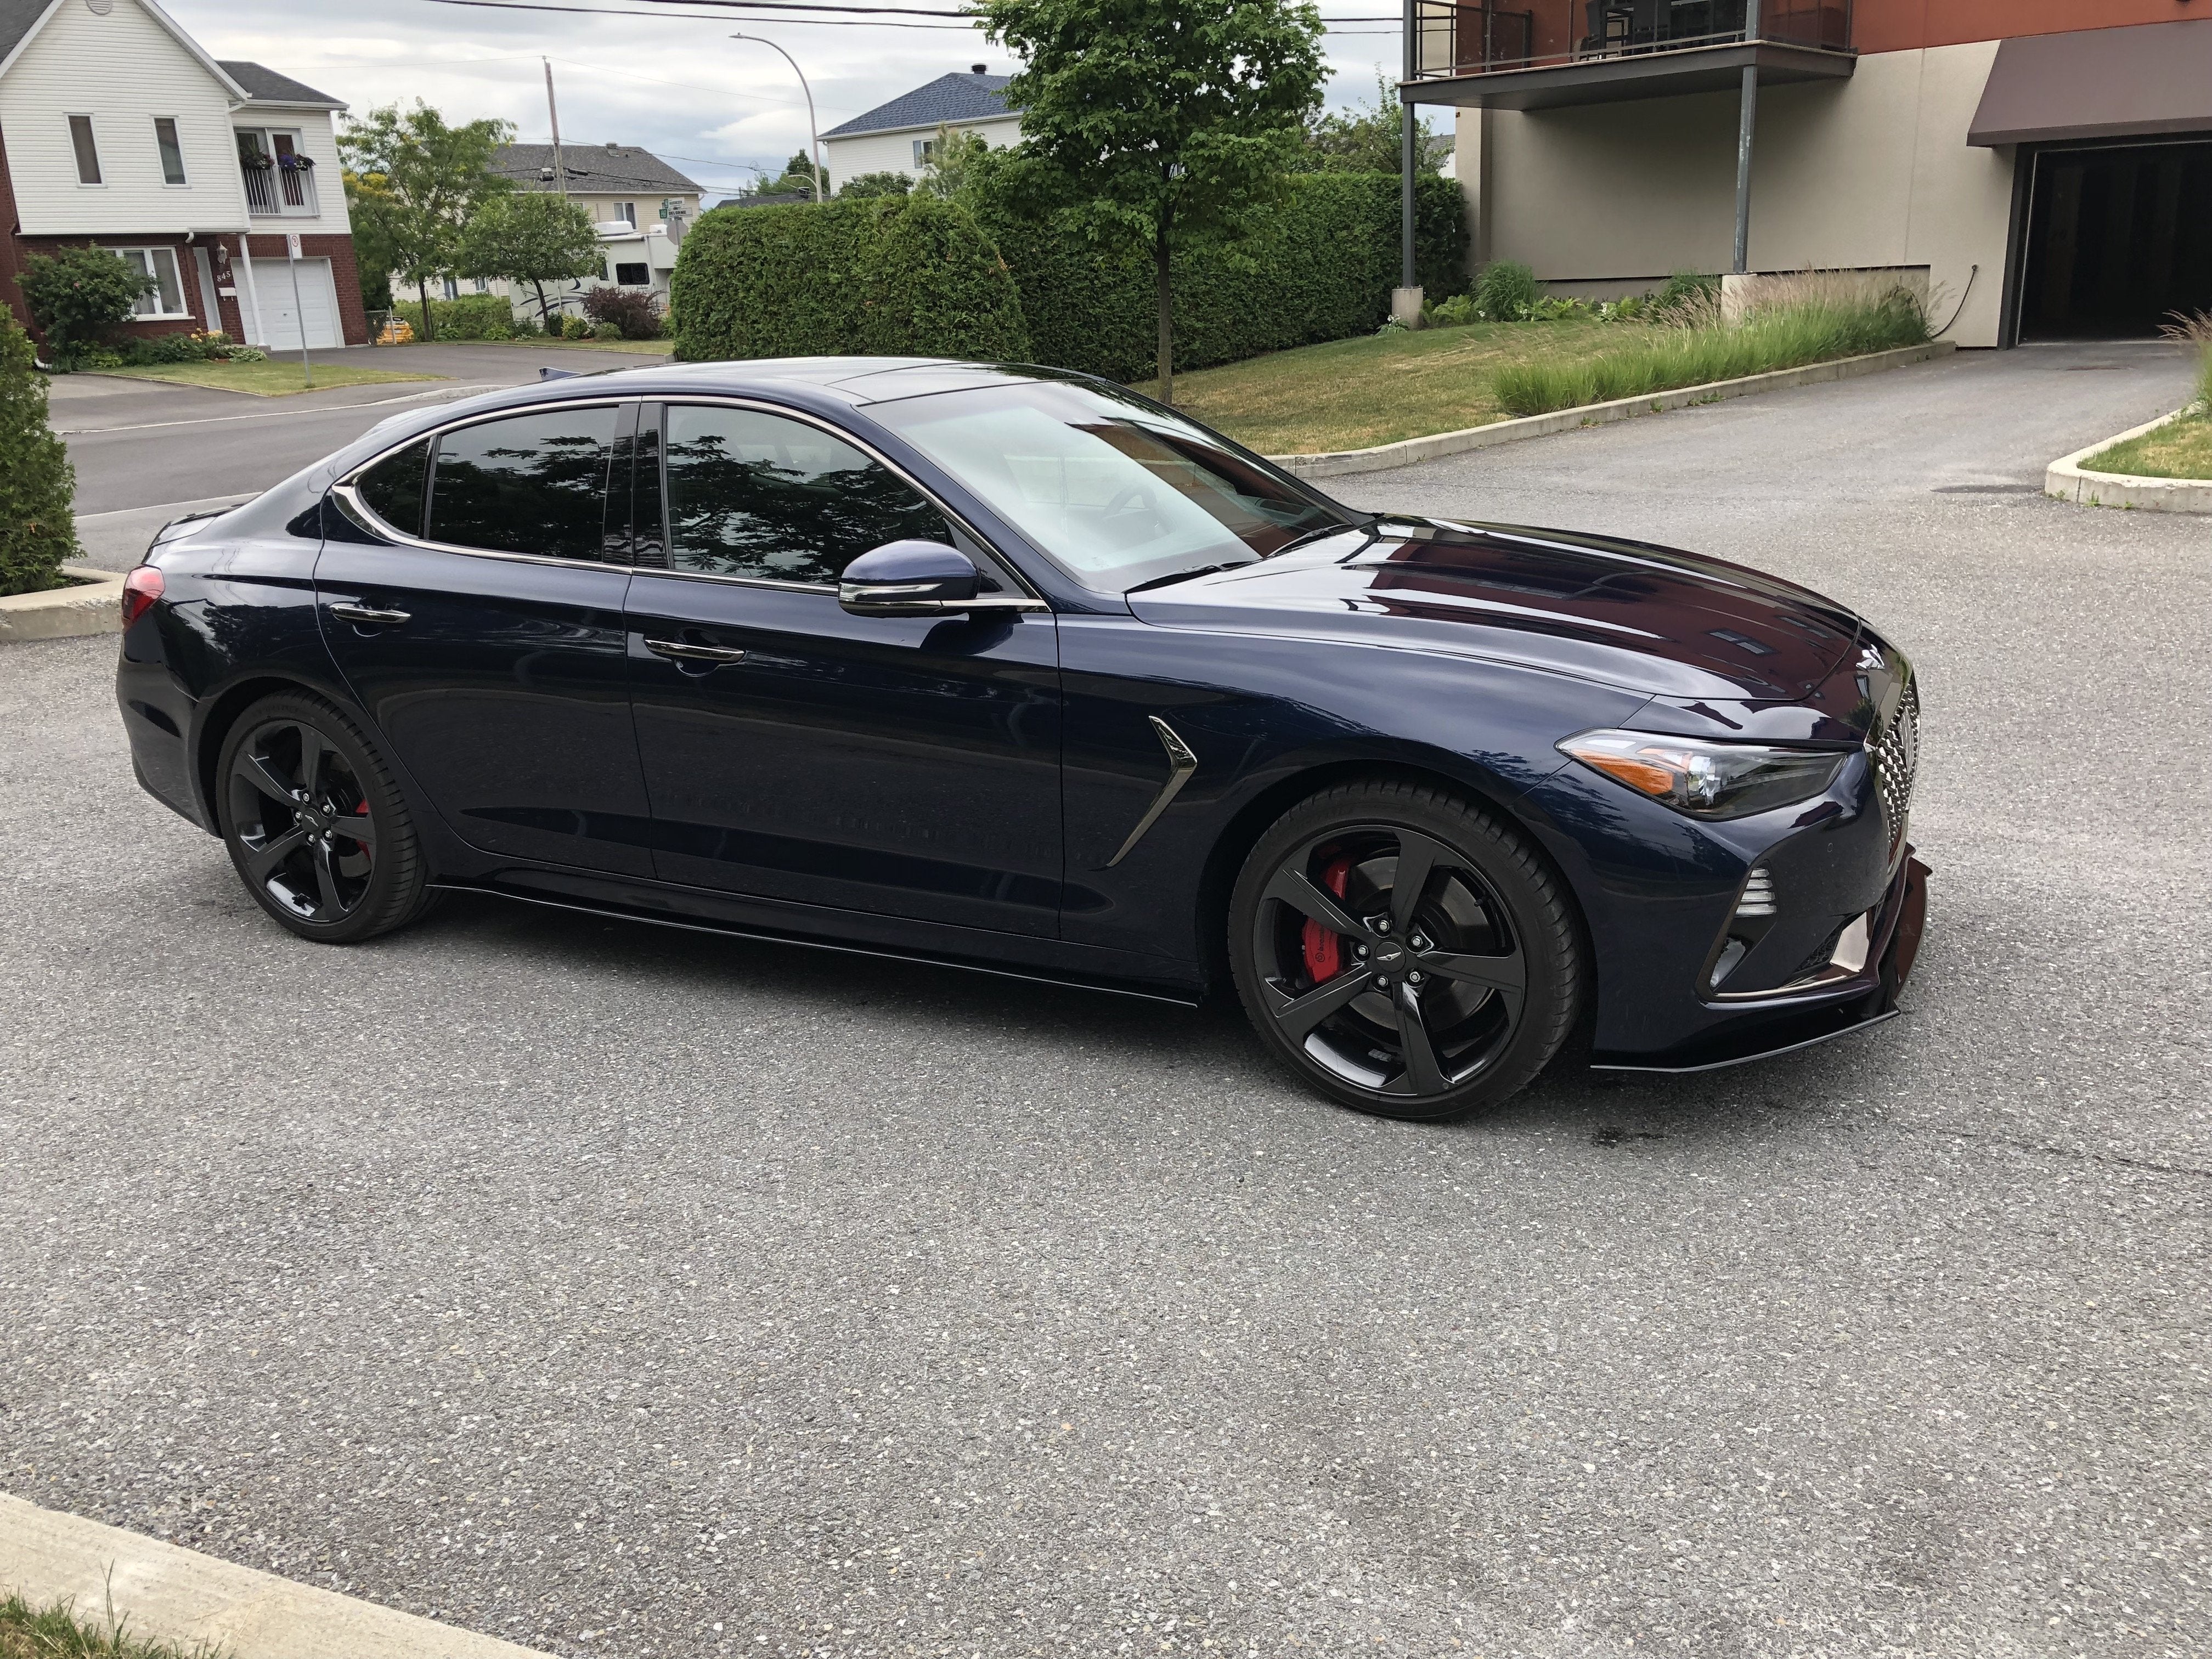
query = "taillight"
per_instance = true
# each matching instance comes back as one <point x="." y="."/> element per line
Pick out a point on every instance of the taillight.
<point x="140" y="589"/>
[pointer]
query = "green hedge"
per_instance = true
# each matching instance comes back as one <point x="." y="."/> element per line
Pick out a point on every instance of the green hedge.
<point x="37" y="529"/>
<point x="1320" y="267"/>
<point x="471" y="317"/>
<point x="886" y="276"/>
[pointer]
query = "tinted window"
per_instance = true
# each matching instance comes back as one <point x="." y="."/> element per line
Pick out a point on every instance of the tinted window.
<point x="393" y="487"/>
<point x="535" y="483"/>
<point x="754" y="495"/>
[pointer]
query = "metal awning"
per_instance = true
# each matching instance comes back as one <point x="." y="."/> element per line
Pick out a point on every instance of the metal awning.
<point x="2143" y="79"/>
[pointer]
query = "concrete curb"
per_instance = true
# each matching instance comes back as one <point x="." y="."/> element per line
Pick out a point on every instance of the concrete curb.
<point x="1410" y="452"/>
<point x="93" y="606"/>
<point x="2070" y="481"/>
<point x="164" y="1593"/>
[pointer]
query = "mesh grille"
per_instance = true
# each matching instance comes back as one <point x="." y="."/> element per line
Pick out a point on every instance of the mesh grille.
<point x="1896" y="753"/>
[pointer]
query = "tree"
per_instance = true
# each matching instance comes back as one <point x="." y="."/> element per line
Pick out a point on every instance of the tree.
<point x="1368" y="140"/>
<point x="874" y="184"/>
<point x="1163" y="122"/>
<point x="951" y="162"/>
<point x="36" y="531"/>
<point x="76" y="295"/>
<point x="413" y="183"/>
<point x="530" y="236"/>
<point x="799" y="178"/>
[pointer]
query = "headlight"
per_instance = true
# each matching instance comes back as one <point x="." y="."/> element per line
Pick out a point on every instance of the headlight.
<point x="1708" y="780"/>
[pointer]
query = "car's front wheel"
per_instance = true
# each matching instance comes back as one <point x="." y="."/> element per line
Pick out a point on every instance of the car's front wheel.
<point x="317" y="828"/>
<point x="1403" y="951"/>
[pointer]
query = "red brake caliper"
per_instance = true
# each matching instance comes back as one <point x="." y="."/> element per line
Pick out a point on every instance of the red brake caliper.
<point x="1324" y="948"/>
<point x="361" y="846"/>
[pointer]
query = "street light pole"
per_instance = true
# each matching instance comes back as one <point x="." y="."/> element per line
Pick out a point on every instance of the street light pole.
<point x="553" y="114"/>
<point x="813" y="137"/>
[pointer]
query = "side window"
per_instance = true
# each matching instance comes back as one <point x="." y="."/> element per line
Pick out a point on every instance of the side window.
<point x="394" y="488"/>
<point x="755" y="495"/>
<point x="531" y="483"/>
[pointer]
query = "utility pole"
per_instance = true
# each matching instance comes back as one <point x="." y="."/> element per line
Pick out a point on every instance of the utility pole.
<point x="553" y="112"/>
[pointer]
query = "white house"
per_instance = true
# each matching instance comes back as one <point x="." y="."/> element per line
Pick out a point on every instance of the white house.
<point x="642" y="205"/>
<point x="118" y="129"/>
<point x="899" y="136"/>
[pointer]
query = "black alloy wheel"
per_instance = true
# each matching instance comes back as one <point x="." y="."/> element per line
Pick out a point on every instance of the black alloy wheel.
<point x="316" y="827"/>
<point x="1403" y="951"/>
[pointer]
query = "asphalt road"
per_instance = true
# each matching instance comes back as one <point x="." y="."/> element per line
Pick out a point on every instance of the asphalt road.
<point x="627" y="1292"/>
<point x="149" y="449"/>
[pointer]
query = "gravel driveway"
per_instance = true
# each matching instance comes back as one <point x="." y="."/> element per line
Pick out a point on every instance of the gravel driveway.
<point x="622" y="1292"/>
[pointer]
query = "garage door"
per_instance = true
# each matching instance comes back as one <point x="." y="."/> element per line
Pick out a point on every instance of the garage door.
<point x="319" y="301"/>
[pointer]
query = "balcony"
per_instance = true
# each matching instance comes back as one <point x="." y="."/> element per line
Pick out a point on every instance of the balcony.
<point x="279" y="181"/>
<point x="1554" y="53"/>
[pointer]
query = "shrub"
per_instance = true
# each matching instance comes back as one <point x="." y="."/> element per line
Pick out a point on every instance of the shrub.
<point x="473" y="316"/>
<point x="186" y="348"/>
<point x="874" y="184"/>
<point x="2195" y="329"/>
<point x="575" y="326"/>
<point x="629" y="309"/>
<point x="900" y="276"/>
<point x="1688" y="297"/>
<point x="1318" y="265"/>
<point x="1506" y="292"/>
<point x="1783" y="335"/>
<point x="77" y="295"/>
<point x="37" y="530"/>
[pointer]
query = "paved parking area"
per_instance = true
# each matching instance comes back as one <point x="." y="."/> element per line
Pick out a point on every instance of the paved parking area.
<point x="627" y="1292"/>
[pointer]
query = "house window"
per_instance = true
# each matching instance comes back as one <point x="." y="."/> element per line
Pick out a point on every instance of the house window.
<point x="636" y="276"/>
<point x="173" y="152"/>
<point x="627" y="212"/>
<point x="87" y="152"/>
<point x="165" y="299"/>
<point x="452" y="289"/>
<point x="483" y="284"/>
<point x="925" y="151"/>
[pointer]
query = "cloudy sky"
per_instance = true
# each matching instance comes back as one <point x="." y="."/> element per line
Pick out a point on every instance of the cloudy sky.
<point x="673" y="82"/>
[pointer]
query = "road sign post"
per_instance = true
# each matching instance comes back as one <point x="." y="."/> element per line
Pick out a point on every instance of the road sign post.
<point x="299" y="311"/>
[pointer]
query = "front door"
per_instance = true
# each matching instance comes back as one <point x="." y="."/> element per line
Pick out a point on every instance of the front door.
<point x="900" y="766"/>
<point x="476" y="609"/>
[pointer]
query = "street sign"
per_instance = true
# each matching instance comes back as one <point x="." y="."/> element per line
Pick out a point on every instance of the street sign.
<point x="292" y="246"/>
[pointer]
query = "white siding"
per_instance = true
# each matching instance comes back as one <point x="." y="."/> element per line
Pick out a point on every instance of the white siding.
<point x="318" y="141"/>
<point x="893" y="152"/>
<point x="122" y="69"/>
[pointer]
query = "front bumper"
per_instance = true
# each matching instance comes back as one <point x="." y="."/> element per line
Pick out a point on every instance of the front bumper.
<point x="1782" y="1023"/>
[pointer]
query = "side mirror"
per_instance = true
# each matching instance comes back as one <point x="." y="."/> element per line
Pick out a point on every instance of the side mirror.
<point x="909" y="578"/>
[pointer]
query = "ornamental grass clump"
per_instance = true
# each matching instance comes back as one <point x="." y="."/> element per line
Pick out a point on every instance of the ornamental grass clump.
<point x="1795" y="326"/>
<point x="38" y="530"/>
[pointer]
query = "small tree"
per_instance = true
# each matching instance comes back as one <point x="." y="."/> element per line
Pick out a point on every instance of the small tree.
<point x="530" y="236"/>
<point x="413" y="183"/>
<point x="874" y="184"/>
<point x="1368" y="140"/>
<point x="1162" y="121"/>
<point x="951" y="160"/>
<point x="77" y="295"/>
<point x="36" y="531"/>
<point x="799" y="178"/>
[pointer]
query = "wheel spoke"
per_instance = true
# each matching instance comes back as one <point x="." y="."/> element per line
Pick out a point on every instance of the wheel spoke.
<point x="1507" y="974"/>
<point x="358" y="828"/>
<point x="257" y="771"/>
<point x="312" y="750"/>
<point x="1423" y="1075"/>
<point x="326" y="882"/>
<point x="1292" y="887"/>
<point x="1417" y="858"/>
<point x="1299" y="1015"/>
<point x="263" y="863"/>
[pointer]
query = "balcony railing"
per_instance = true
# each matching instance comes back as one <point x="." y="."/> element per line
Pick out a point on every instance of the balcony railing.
<point x="1461" y="39"/>
<point x="279" y="180"/>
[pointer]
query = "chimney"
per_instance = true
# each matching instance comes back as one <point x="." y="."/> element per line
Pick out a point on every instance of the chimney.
<point x="978" y="69"/>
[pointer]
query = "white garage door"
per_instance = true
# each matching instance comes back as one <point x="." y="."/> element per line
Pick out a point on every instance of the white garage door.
<point x="319" y="301"/>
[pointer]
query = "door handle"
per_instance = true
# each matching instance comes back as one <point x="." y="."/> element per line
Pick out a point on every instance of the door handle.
<point x="694" y="653"/>
<point x="366" y="613"/>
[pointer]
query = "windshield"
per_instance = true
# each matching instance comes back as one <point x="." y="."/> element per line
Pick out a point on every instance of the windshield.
<point x="1117" y="492"/>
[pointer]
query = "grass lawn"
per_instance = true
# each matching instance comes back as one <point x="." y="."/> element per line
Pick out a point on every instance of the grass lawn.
<point x="28" y="1632"/>
<point x="1350" y="394"/>
<point x="539" y="342"/>
<point x="2179" y="449"/>
<point x="277" y="378"/>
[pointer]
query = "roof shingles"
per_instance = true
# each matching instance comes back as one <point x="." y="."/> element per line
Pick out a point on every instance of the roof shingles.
<point x="950" y="98"/>
<point x="590" y="167"/>
<point x="265" y="86"/>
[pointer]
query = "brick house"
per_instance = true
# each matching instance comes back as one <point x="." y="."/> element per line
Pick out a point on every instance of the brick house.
<point x="117" y="128"/>
<point x="2043" y="167"/>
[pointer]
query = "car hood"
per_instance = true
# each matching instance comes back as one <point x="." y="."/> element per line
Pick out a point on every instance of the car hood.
<point x="1624" y="613"/>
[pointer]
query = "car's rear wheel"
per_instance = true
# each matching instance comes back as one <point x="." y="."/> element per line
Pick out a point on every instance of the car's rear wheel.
<point x="1403" y="951"/>
<point x="317" y="828"/>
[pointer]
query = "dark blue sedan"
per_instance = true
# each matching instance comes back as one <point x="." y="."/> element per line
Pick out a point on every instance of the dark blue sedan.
<point x="1016" y="671"/>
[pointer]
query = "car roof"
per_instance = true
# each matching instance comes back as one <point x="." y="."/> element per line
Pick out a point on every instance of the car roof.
<point x="853" y="379"/>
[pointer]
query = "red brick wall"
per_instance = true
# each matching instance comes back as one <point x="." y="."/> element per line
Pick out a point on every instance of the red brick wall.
<point x="1903" y="24"/>
<point x="8" y="291"/>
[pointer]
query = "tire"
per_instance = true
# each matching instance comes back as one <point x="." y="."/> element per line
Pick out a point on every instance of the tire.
<point x="317" y="828"/>
<point x="1428" y="1006"/>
